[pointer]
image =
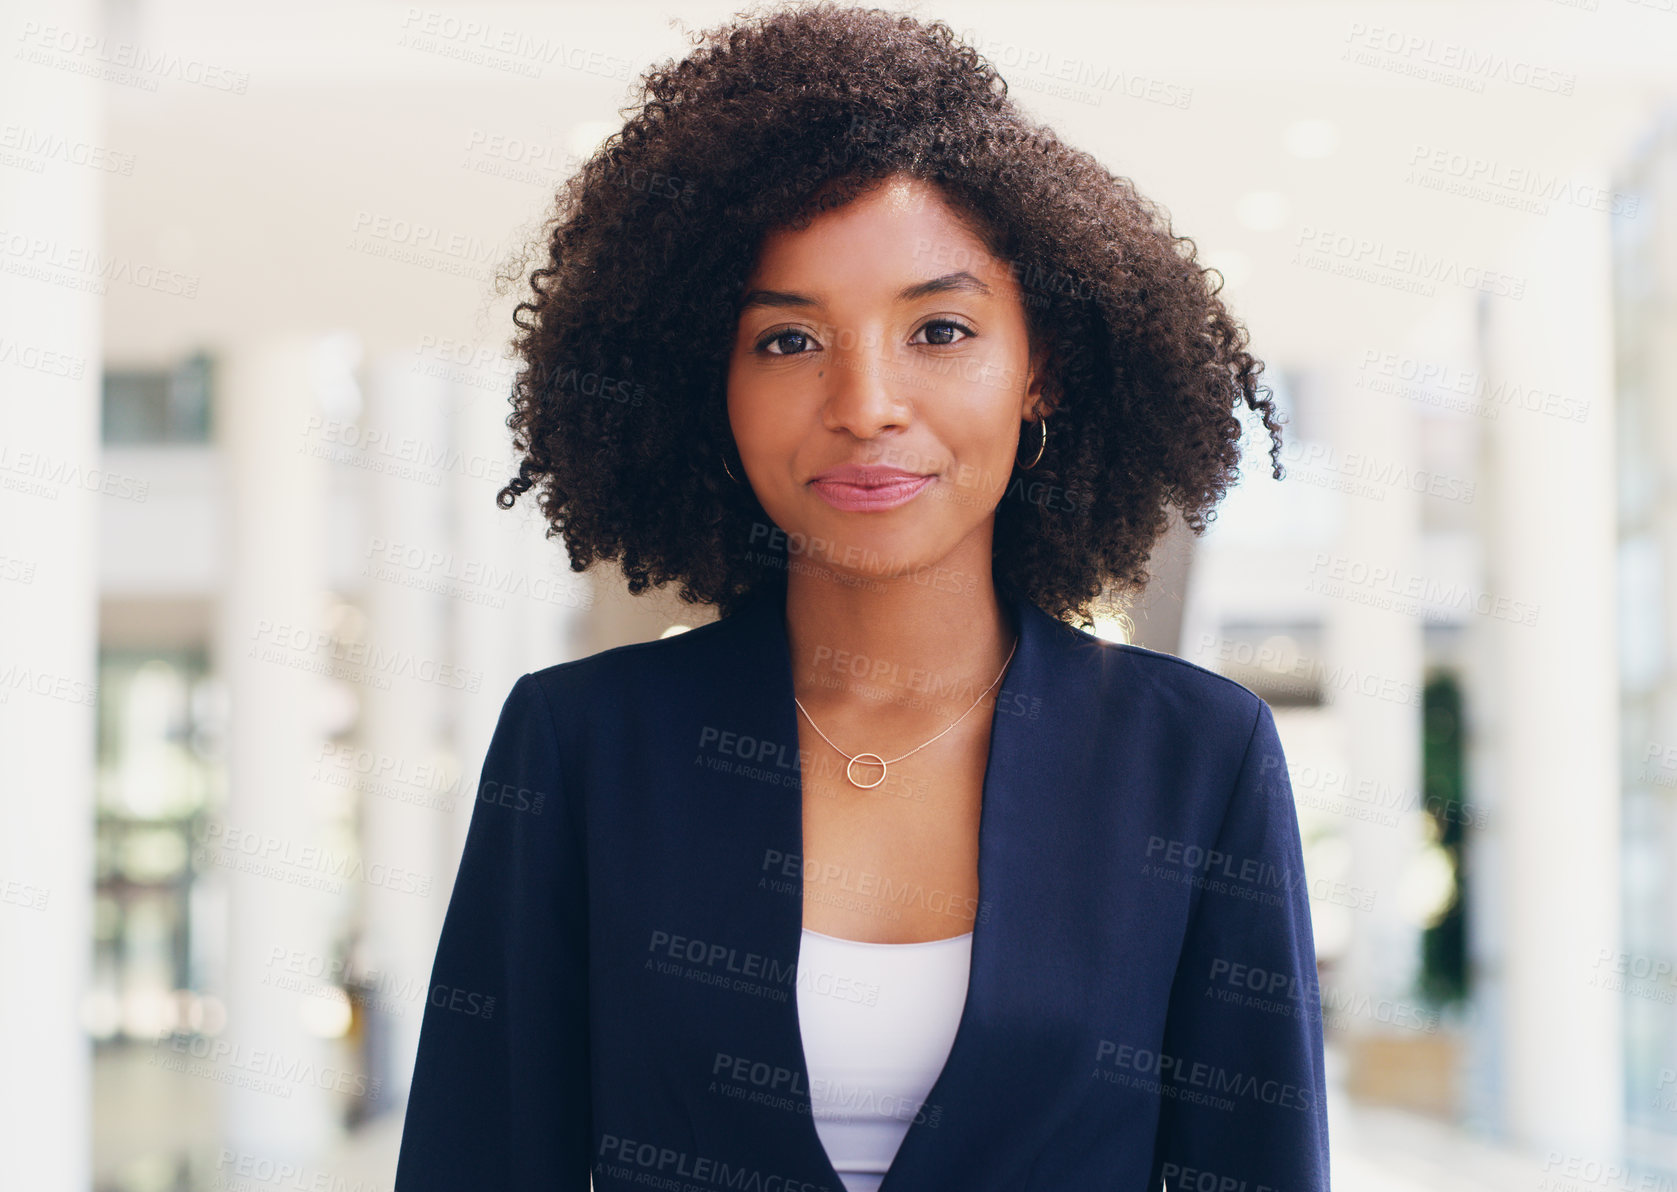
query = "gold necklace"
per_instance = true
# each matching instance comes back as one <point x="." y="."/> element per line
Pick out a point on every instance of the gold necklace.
<point x="873" y="758"/>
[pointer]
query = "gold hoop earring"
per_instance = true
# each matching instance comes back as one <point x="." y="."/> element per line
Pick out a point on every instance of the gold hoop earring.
<point x="1043" y="423"/>
<point x="729" y="470"/>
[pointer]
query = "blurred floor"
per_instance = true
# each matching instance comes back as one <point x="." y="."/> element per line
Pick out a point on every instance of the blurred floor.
<point x="148" y="1120"/>
<point x="1390" y="1150"/>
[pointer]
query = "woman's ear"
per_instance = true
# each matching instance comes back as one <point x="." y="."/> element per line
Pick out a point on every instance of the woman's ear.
<point x="1040" y="398"/>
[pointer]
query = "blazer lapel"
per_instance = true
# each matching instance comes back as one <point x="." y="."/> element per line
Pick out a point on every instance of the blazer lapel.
<point x="1047" y="704"/>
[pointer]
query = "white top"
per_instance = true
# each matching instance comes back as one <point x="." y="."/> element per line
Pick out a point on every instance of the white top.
<point x="877" y="1023"/>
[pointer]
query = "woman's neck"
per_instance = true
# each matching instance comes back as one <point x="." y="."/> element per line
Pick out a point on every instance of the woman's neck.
<point x="927" y="643"/>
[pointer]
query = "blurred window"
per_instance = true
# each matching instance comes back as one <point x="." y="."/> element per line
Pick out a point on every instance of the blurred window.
<point x="154" y="781"/>
<point x="158" y="405"/>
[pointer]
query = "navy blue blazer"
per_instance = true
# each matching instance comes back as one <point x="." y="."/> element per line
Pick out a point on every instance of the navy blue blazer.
<point x="613" y="993"/>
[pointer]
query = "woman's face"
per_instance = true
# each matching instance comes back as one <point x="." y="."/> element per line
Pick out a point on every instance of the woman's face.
<point x="883" y="335"/>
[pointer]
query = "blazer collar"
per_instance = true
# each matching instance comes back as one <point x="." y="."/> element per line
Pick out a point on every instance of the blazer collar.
<point x="1047" y="703"/>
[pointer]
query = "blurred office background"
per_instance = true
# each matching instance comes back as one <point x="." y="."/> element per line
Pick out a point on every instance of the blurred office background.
<point x="259" y="608"/>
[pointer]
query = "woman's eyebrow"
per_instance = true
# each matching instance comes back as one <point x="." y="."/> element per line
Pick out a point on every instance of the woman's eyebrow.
<point x="949" y="282"/>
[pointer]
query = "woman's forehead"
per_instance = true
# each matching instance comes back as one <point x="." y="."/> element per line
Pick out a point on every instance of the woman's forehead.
<point x="899" y="234"/>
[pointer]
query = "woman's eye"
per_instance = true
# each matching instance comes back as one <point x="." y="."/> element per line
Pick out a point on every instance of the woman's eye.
<point x="802" y="338"/>
<point x="939" y="327"/>
<point x="798" y="343"/>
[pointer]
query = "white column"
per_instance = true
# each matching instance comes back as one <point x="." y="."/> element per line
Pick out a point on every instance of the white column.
<point x="411" y="569"/>
<point x="50" y="480"/>
<point x="272" y="654"/>
<point x="1383" y="646"/>
<point x="1549" y="541"/>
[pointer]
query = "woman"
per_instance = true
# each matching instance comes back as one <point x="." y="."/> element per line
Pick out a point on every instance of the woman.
<point x="889" y="877"/>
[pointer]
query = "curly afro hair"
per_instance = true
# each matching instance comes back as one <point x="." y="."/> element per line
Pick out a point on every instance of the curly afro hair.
<point x="619" y="402"/>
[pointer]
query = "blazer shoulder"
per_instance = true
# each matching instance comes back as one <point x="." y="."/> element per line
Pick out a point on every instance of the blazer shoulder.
<point x="660" y="656"/>
<point x="1196" y="691"/>
<point x="1175" y="697"/>
<point x="1153" y="666"/>
<point x="1183" y="671"/>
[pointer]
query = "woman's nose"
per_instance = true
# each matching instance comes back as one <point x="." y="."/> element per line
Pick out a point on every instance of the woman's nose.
<point x="867" y="388"/>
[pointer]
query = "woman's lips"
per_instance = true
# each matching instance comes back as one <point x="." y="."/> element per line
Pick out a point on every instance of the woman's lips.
<point x="869" y="498"/>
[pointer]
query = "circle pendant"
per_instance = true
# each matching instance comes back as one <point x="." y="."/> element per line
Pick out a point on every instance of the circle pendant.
<point x="870" y="759"/>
